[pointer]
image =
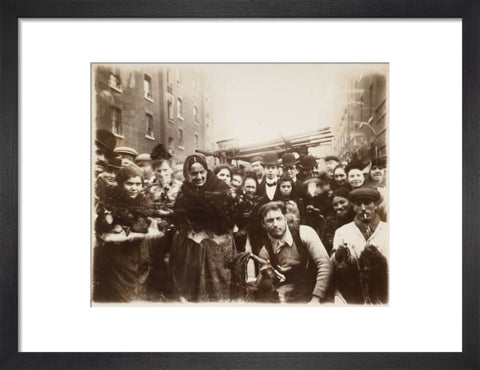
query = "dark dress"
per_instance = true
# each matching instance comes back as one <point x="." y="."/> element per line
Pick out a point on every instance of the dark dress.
<point x="121" y="268"/>
<point x="203" y="247"/>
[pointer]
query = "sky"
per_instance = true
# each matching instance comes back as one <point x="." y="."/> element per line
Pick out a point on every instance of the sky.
<point x="256" y="102"/>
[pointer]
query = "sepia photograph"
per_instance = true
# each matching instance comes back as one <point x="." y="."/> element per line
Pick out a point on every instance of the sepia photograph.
<point x="240" y="184"/>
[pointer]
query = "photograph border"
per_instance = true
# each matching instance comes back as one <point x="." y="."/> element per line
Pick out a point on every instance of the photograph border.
<point x="12" y="11"/>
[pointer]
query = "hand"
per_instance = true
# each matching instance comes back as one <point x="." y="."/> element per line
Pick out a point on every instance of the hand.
<point x="314" y="301"/>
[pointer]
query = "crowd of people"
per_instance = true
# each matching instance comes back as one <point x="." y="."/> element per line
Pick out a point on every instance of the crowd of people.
<point x="275" y="230"/>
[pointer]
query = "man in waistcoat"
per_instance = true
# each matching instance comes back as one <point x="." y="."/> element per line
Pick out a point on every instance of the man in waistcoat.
<point x="297" y="254"/>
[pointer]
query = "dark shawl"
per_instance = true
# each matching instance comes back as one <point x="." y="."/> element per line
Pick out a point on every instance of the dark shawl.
<point x="209" y="208"/>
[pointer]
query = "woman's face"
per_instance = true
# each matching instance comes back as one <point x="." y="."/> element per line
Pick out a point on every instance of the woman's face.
<point x="133" y="186"/>
<point x="376" y="173"/>
<point x="163" y="173"/>
<point x="355" y="178"/>
<point x="197" y="175"/>
<point x="224" y="175"/>
<point x="285" y="188"/>
<point x="250" y="187"/>
<point x="340" y="176"/>
<point x="341" y="205"/>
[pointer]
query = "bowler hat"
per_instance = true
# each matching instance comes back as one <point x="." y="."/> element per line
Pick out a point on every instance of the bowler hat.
<point x="331" y="158"/>
<point x="365" y="193"/>
<point x="270" y="159"/>
<point x="288" y="159"/>
<point x="308" y="162"/>
<point x="105" y="140"/>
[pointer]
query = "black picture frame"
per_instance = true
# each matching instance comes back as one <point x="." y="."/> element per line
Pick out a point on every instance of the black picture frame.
<point x="11" y="11"/>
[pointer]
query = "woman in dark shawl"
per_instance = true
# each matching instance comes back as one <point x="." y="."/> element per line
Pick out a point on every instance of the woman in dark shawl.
<point x="203" y="247"/>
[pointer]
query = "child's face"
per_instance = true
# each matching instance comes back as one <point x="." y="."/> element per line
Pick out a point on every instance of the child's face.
<point x="285" y="188"/>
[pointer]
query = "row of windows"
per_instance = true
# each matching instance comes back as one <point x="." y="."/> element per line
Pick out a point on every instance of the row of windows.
<point x="118" y="129"/>
<point x="115" y="83"/>
<point x="147" y="90"/>
<point x="171" y="113"/>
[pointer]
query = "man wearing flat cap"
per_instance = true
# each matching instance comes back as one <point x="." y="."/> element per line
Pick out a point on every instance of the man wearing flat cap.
<point x="364" y="231"/>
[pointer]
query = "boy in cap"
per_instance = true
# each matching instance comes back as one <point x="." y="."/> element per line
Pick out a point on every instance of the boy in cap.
<point x="256" y="163"/>
<point x="127" y="154"/>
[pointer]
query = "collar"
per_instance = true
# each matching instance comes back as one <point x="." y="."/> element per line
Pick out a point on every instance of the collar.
<point x="271" y="182"/>
<point x="286" y="239"/>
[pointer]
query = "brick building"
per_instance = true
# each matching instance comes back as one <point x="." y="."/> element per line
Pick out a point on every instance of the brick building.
<point x="145" y="105"/>
<point x="361" y="131"/>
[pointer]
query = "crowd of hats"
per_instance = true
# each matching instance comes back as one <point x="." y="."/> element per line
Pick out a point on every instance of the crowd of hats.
<point x="107" y="142"/>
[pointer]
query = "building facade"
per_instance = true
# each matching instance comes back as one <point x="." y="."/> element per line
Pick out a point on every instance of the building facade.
<point x="361" y="131"/>
<point x="147" y="105"/>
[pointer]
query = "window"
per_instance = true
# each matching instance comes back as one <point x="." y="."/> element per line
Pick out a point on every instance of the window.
<point x="180" y="138"/>
<point x="169" y="76"/>
<point x="180" y="108"/>
<point x="195" y="115"/>
<point x="171" y="144"/>
<point x="114" y="82"/>
<point x="196" y="141"/>
<point x="179" y="76"/>
<point x="170" y="107"/>
<point x="149" y="125"/>
<point x="147" y="87"/>
<point x="117" y="121"/>
<point x="195" y="86"/>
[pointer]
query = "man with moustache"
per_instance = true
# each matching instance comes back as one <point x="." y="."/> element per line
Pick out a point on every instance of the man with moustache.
<point x="297" y="253"/>
<point x="365" y="233"/>
<point x="366" y="228"/>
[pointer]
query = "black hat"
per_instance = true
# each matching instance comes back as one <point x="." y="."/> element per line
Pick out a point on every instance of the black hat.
<point x="288" y="159"/>
<point x="355" y="165"/>
<point x="308" y="162"/>
<point x="342" y="191"/>
<point x="114" y="164"/>
<point x="364" y="193"/>
<point x="159" y="152"/>
<point x="379" y="162"/>
<point x="270" y="159"/>
<point x="106" y="140"/>
<point x="331" y="158"/>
